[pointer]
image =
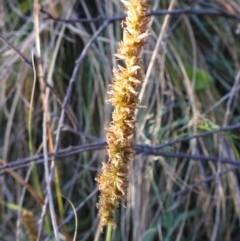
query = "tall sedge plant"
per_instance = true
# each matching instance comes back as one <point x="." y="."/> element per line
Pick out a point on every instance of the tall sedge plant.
<point x="114" y="178"/>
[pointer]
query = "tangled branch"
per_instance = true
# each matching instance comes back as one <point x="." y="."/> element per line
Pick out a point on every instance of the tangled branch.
<point x="216" y="12"/>
<point x="139" y="150"/>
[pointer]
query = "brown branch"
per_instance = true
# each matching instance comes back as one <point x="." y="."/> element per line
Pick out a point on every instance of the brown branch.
<point x="183" y="139"/>
<point x="140" y="149"/>
<point x="46" y="133"/>
<point x="25" y="162"/>
<point x="20" y="180"/>
<point x="72" y="214"/>
<point x="195" y="157"/>
<point x="99" y="145"/>
<point x="71" y="82"/>
<point x="25" y="59"/>
<point x="217" y="12"/>
<point x="205" y="180"/>
<point x="39" y="159"/>
<point x="52" y="89"/>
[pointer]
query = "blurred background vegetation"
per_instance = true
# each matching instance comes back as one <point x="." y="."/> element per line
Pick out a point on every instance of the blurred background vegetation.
<point x="187" y="190"/>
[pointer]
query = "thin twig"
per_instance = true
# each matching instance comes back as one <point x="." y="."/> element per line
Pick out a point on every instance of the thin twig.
<point x="70" y="85"/>
<point x="23" y="163"/>
<point x="77" y="209"/>
<point x="195" y="157"/>
<point x="218" y="12"/>
<point x="47" y="135"/>
<point x="183" y="139"/>
<point x="99" y="147"/>
<point x="205" y="180"/>
<point x="25" y="59"/>
<point x="52" y="89"/>
<point x="140" y="149"/>
<point x="71" y="150"/>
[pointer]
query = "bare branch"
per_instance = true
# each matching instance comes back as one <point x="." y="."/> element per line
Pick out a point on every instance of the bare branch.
<point x="70" y="85"/>
<point x="25" y="59"/>
<point x="183" y="139"/>
<point x="216" y="12"/>
<point x="140" y="149"/>
<point x="205" y="180"/>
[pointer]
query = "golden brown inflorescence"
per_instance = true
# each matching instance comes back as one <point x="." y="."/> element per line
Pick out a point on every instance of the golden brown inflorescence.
<point x="114" y="178"/>
<point x="29" y="223"/>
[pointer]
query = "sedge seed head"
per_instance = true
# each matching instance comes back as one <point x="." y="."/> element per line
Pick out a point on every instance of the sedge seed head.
<point x="114" y="179"/>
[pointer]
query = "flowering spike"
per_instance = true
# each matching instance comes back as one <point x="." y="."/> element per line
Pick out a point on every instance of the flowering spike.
<point x="114" y="178"/>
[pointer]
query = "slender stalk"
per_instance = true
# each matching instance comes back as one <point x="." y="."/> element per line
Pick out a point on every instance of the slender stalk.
<point x="47" y="135"/>
<point x="30" y="144"/>
<point x="109" y="232"/>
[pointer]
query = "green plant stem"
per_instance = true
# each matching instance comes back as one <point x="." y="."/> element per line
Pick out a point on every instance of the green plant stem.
<point x="30" y="144"/>
<point x="109" y="232"/>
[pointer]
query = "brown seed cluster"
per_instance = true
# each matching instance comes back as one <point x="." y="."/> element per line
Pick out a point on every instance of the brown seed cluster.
<point x="114" y="178"/>
<point x="29" y="223"/>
